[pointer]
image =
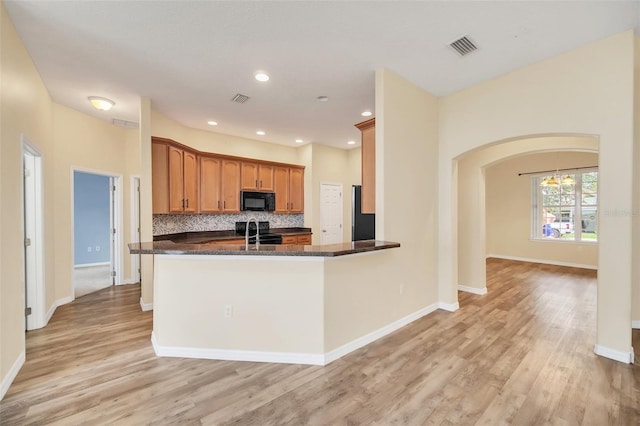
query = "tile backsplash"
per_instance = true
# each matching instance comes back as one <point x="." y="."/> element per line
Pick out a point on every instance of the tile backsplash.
<point x="175" y="223"/>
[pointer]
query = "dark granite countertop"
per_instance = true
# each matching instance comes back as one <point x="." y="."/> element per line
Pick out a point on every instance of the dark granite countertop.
<point x="212" y="249"/>
<point x="207" y="236"/>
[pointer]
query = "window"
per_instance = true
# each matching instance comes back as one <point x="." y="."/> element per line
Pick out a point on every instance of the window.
<point x="565" y="207"/>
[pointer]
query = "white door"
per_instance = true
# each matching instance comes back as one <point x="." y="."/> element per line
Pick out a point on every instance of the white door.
<point x="330" y="213"/>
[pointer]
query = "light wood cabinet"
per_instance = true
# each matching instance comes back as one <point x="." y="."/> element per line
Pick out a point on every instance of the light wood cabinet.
<point x="160" y="178"/>
<point x="183" y="181"/>
<point x="188" y="181"/>
<point x="174" y="174"/>
<point x="230" y="186"/>
<point x="368" y="130"/>
<point x="288" y="184"/>
<point x="256" y="177"/>
<point x="302" y="240"/>
<point x="210" y="184"/>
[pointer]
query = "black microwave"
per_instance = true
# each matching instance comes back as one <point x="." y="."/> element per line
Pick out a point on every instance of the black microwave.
<point x="257" y="201"/>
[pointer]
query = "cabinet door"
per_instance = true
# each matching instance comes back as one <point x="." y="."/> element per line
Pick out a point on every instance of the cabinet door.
<point x="160" y="177"/>
<point x="176" y="182"/>
<point x="210" y="184"/>
<point x="249" y="176"/>
<point x="265" y="177"/>
<point x="190" y="180"/>
<point x="304" y="239"/>
<point x="281" y="188"/>
<point x="289" y="239"/>
<point x="296" y="190"/>
<point x="230" y="186"/>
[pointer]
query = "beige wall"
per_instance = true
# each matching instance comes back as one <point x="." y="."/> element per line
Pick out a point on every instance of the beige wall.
<point x="87" y="143"/>
<point x="588" y="91"/>
<point x="406" y="186"/>
<point x="25" y="108"/>
<point x="508" y="207"/>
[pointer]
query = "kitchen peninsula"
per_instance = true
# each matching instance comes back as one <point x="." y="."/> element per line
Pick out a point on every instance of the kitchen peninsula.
<point x="301" y="304"/>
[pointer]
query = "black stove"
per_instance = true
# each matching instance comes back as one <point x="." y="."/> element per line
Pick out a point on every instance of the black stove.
<point x="265" y="236"/>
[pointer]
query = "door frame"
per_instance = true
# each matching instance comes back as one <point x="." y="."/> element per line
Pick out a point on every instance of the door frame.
<point x="35" y="296"/>
<point x="134" y="220"/>
<point x="116" y="214"/>
<point x="339" y="184"/>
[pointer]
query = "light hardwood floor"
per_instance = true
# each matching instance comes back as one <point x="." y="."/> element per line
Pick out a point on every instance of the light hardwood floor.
<point x="520" y="355"/>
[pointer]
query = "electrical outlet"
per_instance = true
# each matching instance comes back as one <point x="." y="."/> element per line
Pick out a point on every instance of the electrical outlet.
<point x="228" y="311"/>
<point x="89" y="249"/>
<point x="97" y="248"/>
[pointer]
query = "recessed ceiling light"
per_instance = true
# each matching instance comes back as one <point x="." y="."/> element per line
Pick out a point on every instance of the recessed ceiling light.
<point x="323" y="98"/>
<point x="261" y="76"/>
<point x="260" y="132"/>
<point x="101" y="104"/>
<point x="351" y="143"/>
<point x="367" y="113"/>
<point x="299" y="141"/>
<point x="212" y="123"/>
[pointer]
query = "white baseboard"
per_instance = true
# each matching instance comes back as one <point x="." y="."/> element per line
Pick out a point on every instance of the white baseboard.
<point x="128" y="281"/>
<point x="64" y="301"/>
<point x="451" y="307"/>
<point x="288" y="357"/>
<point x="616" y="355"/>
<point x="474" y="290"/>
<point x="11" y="374"/>
<point x="89" y="265"/>
<point x="635" y="324"/>
<point x="544" y="261"/>
<point x="145" y="306"/>
<point x="50" y="313"/>
<point x="236" y="355"/>
<point x="377" y="334"/>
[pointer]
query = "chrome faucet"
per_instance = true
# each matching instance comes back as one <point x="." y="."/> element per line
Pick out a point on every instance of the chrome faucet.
<point x="246" y="234"/>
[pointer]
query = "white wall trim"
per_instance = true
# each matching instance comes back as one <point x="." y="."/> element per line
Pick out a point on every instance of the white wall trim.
<point x="88" y="265"/>
<point x="145" y="306"/>
<point x="451" y="307"/>
<point x="377" y="334"/>
<point x="237" y="355"/>
<point x="474" y="290"/>
<point x="289" y="357"/>
<point x="544" y="261"/>
<point x="11" y="374"/>
<point x="616" y="355"/>
<point x="50" y="313"/>
<point x="635" y="324"/>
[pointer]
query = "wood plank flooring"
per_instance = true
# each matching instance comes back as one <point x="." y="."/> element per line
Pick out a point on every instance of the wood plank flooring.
<point x="520" y="355"/>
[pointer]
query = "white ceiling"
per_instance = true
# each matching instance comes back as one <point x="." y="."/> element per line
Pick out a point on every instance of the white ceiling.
<point x="191" y="57"/>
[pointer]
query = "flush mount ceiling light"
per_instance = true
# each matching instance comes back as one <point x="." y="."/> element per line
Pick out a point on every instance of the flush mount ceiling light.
<point x="260" y="132"/>
<point x="367" y="113"/>
<point x="261" y="76"/>
<point x="101" y="104"/>
<point x="299" y="141"/>
<point x="212" y="123"/>
<point x="323" y="98"/>
<point x="351" y="143"/>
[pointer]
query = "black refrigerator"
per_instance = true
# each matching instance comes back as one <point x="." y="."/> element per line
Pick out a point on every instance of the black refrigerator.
<point x="363" y="225"/>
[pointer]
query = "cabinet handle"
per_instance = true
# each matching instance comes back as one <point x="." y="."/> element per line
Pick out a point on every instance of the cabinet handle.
<point x="218" y="204"/>
<point x="256" y="183"/>
<point x="224" y="204"/>
<point x="187" y="203"/>
<point x="183" y="203"/>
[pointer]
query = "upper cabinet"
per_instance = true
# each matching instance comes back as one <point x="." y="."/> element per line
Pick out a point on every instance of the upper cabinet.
<point x="256" y="177"/>
<point x="368" y="130"/>
<point x="288" y="183"/>
<point x="175" y="179"/>
<point x="188" y="181"/>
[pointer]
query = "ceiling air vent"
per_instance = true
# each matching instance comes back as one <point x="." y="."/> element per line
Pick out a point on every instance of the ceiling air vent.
<point x="124" y="123"/>
<point x="463" y="46"/>
<point x="240" y="98"/>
